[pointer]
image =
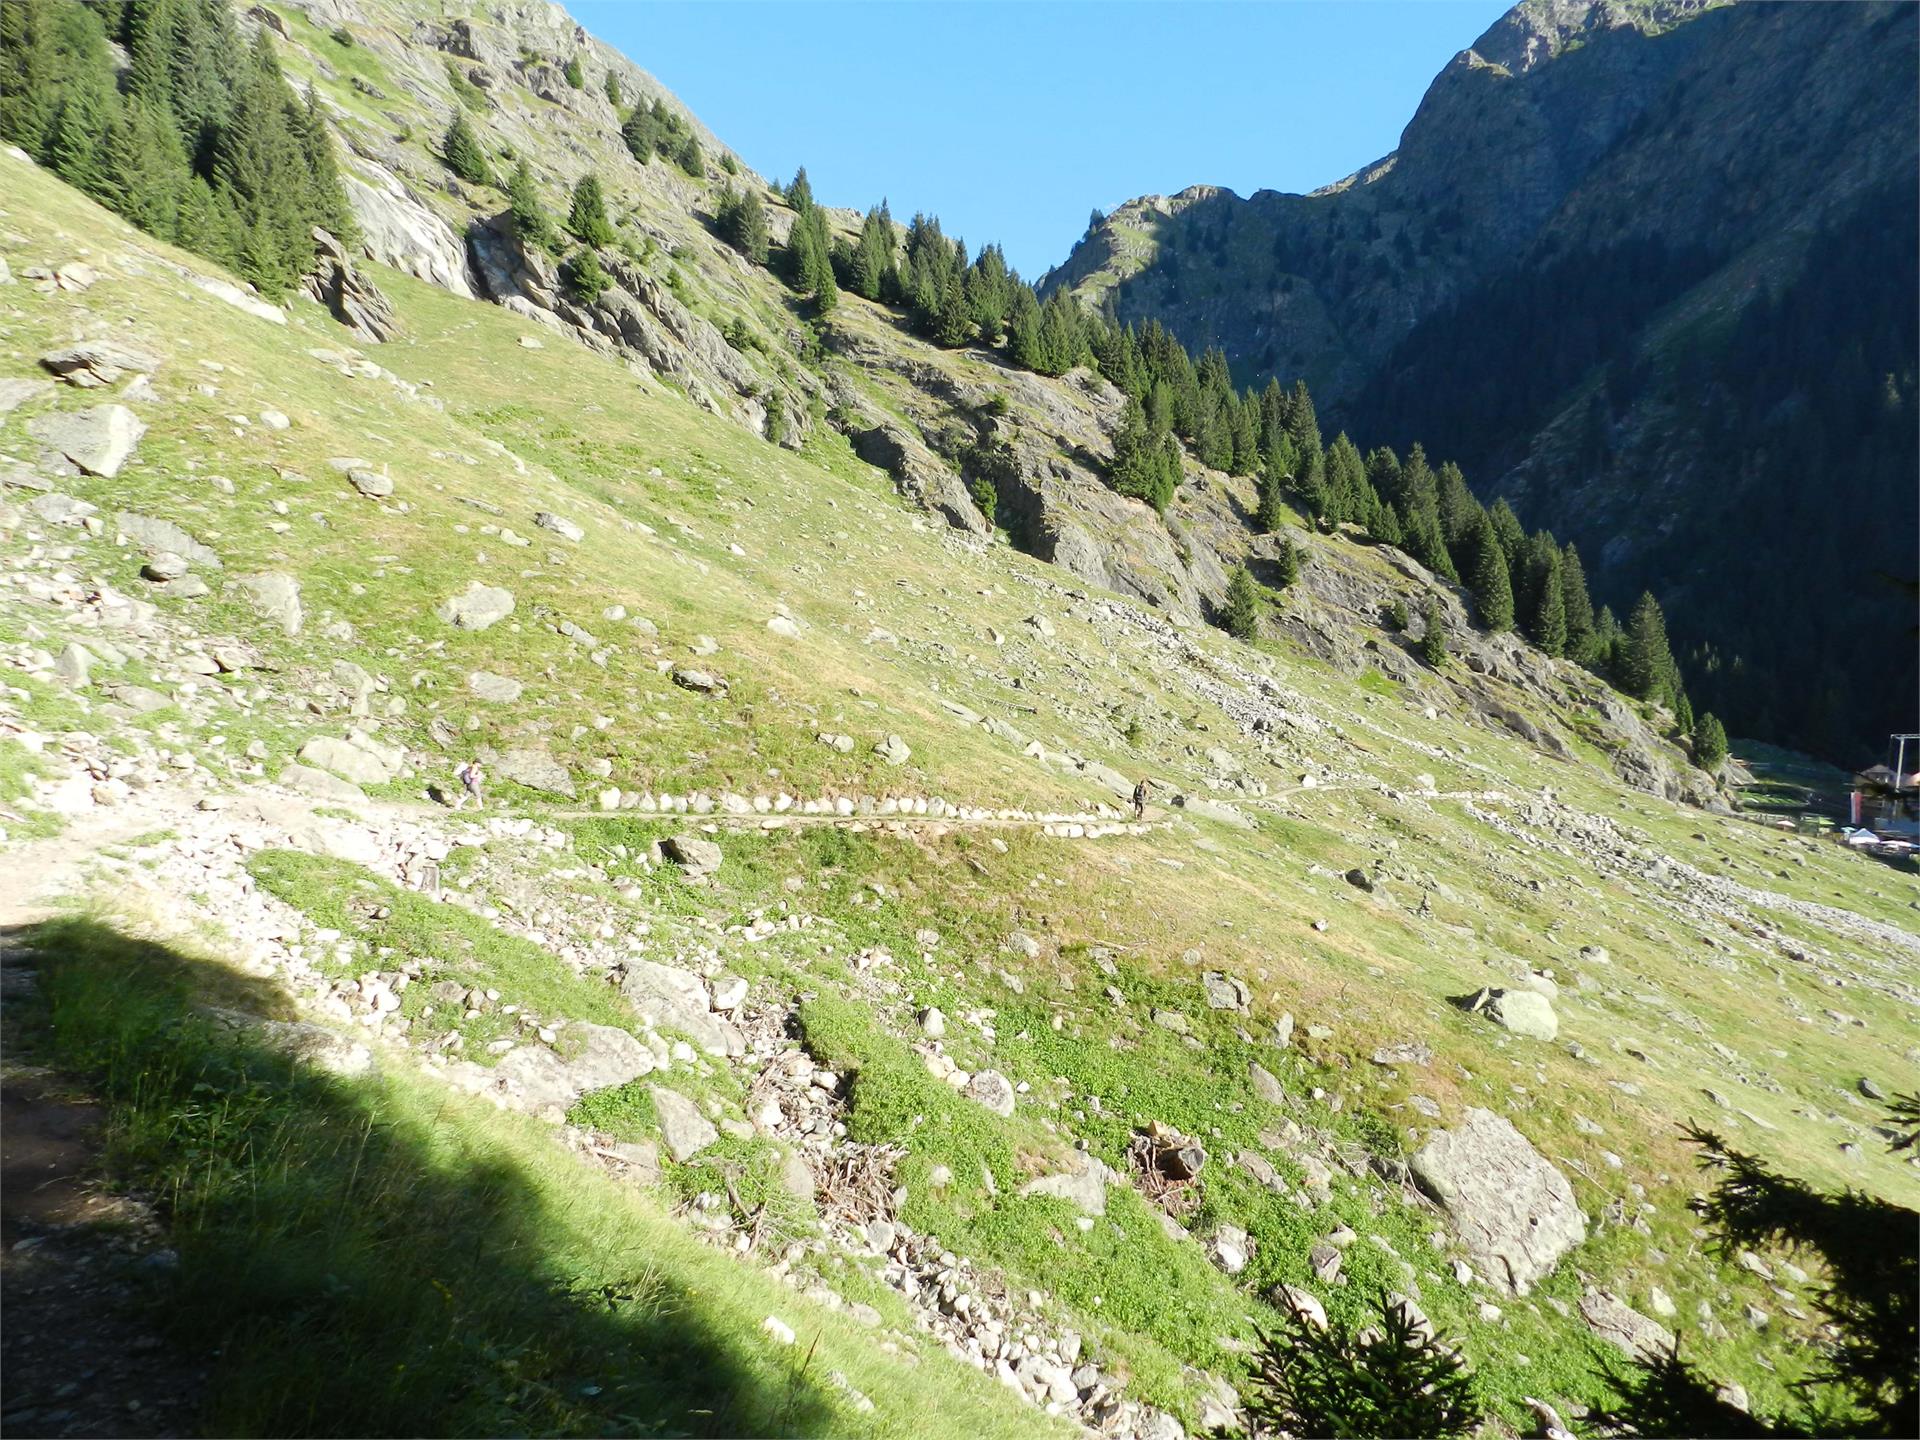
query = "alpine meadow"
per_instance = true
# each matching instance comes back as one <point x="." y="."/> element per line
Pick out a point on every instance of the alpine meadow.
<point x="636" y="803"/>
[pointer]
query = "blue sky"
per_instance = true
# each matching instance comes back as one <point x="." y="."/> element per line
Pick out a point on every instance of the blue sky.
<point x="1011" y="121"/>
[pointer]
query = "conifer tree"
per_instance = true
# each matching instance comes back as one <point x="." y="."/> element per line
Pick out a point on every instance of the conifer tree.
<point x="800" y="191"/>
<point x="1146" y="462"/>
<point x="872" y="253"/>
<point x="1272" y="512"/>
<point x="1286" y="565"/>
<point x="1241" y="616"/>
<point x="327" y="204"/>
<point x="576" y="76"/>
<point x="742" y="222"/>
<point x="688" y="155"/>
<point x="1709" y="742"/>
<point x="148" y="167"/>
<point x="643" y="132"/>
<point x="952" y="321"/>
<point x="1492" y="588"/>
<point x="530" y="222"/>
<point x="1646" y="661"/>
<point x="1507" y="527"/>
<point x="1577" y="605"/>
<point x="29" y="64"/>
<point x="1433" y="639"/>
<point x="1865" y="1381"/>
<point x="612" y="87"/>
<point x="1547" y="620"/>
<point x="1392" y="1377"/>
<point x="587" y="216"/>
<point x="461" y="149"/>
<point x="586" y="280"/>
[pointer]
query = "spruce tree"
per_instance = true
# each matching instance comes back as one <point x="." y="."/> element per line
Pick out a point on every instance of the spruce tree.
<point x="327" y="204"/>
<point x="1241" y="616"/>
<point x="1390" y="1377"/>
<point x="1433" y="640"/>
<point x="530" y="223"/>
<point x="1492" y="587"/>
<point x="587" y="216"/>
<point x="612" y="87"/>
<point x="742" y="222"/>
<point x="1507" y="526"/>
<point x="800" y="191"/>
<point x="1864" y="1381"/>
<point x="1272" y="511"/>
<point x="148" y="167"/>
<point x="584" y="277"/>
<point x="1547" y="622"/>
<point x="688" y="155"/>
<point x="1578" y="607"/>
<point x="29" y="65"/>
<point x="643" y="132"/>
<point x="1146" y="463"/>
<point x="1646" y="661"/>
<point x="1709" y="742"/>
<point x="952" y="321"/>
<point x="1286" y="565"/>
<point x="461" y="149"/>
<point x="576" y="75"/>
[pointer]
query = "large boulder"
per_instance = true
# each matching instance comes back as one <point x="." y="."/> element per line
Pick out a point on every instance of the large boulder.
<point x="1512" y="1210"/>
<point x="98" y="362"/>
<point x="163" y="537"/>
<point x="98" y="439"/>
<point x="275" y="596"/>
<point x="678" y="1000"/>
<point x="1524" y="1012"/>
<point x="683" y="1129"/>
<point x="347" y="760"/>
<point x="1614" y="1320"/>
<point x="537" y="770"/>
<point x="476" y="607"/>
<point x="696" y="858"/>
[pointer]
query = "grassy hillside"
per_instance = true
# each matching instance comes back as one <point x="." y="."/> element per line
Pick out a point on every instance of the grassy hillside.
<point x="1704" y="966"/>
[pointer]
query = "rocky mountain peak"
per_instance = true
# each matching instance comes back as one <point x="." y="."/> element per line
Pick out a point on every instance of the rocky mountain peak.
<point x="1536" y="31"/>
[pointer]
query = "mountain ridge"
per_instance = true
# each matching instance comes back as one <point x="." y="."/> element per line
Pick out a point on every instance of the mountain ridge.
<point x="1698" y="129"/>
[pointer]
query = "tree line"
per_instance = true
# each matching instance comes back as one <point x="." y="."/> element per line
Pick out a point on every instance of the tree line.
<point x="1178" y="406"/>
<point x="199" y="141"/>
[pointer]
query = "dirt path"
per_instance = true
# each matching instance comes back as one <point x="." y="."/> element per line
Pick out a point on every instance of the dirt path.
<point x="80" y="1351"/>
<point x="35" y="875"/>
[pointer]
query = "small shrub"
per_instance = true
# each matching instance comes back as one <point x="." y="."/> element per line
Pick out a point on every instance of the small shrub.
<point x="1397" y="617"/>
<point x="576" y="76"/>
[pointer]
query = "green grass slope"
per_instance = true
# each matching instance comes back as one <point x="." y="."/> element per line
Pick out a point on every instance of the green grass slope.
<point x="1693" y="953"/>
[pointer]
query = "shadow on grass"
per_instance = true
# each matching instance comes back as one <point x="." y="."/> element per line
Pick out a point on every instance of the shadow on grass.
<point x="356" y="1261"/>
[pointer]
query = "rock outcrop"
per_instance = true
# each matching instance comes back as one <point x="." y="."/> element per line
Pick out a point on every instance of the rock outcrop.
<point x="349" y="296"/>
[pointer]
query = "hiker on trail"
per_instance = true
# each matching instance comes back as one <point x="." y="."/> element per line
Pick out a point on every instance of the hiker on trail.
<point x="1140" y="799"/>
<point x="471" y="778"/>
